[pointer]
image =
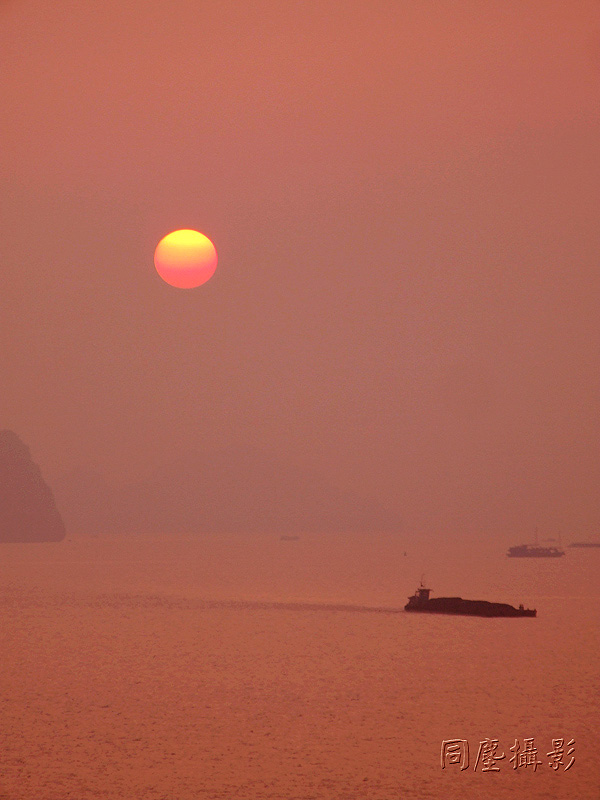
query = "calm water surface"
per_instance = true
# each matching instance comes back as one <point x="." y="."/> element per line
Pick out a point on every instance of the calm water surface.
<point x="239" y="667"/>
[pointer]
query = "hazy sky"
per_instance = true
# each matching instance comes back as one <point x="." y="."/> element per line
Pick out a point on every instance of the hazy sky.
<point x="404" y="197"/>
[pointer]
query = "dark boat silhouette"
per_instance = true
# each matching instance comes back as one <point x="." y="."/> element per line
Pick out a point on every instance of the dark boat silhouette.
<point x="534" y="551"/>
<point x="584" y="544"/>
<point x="420" y="601"/>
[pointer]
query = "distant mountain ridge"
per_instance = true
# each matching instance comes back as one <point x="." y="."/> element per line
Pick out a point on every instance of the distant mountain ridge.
<point x="28" y="512"/>
<point x="226" y="490"/>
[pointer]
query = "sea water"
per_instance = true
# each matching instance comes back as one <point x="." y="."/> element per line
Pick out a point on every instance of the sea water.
<point x="221" y="667"/>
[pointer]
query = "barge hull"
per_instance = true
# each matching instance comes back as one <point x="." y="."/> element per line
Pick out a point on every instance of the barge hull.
<point x="470" y="608"/>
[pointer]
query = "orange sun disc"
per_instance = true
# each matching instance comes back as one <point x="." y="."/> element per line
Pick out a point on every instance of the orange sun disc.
<point x="185" y="259"/>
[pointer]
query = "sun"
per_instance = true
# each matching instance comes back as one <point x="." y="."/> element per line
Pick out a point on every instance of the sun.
<point x="185" y="258"/>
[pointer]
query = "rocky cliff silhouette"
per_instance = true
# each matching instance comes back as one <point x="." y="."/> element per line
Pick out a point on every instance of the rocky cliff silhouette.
<point x="28" y="512"/>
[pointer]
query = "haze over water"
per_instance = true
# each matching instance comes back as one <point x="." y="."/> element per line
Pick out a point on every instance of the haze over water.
<point x="401" y="336"/>
<point x="250" y="667"/>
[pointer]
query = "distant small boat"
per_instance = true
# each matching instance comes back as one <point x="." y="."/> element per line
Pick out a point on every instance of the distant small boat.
<point x="420" y="601"/>
<point x="534" y="551"/>
<point x="584" y="544"/>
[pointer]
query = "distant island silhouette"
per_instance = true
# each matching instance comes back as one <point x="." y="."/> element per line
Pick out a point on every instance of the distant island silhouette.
<point x="219" y="490"/>
<point x="28" y="512"/>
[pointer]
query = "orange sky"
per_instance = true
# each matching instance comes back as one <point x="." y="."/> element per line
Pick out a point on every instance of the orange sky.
<point x="404" y="198"/>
